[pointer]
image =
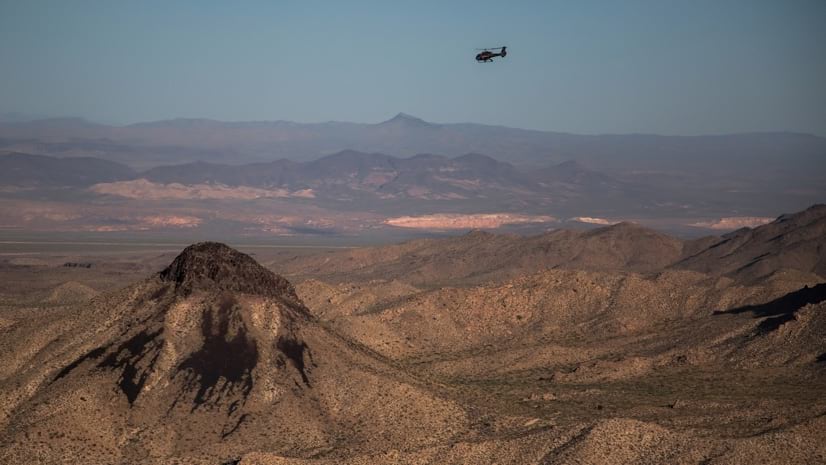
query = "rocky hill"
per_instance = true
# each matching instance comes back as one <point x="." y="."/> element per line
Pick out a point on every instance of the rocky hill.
<point x="792" y="242"/>
<point x="211" y="358"/>
<point x="479" y="256"/>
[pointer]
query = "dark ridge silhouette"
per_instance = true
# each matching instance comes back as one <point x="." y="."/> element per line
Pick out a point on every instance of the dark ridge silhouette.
<point x="212" y="266"/>
<point x="782" y="309"/>
<point x="221" y="356"/>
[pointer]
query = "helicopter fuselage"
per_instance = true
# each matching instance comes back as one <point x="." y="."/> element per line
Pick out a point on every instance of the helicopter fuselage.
<point x="487" y="55"/>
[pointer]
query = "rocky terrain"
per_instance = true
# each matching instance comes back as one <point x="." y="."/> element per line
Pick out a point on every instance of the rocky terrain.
<point x="618" y="344"/>
<point x="219" y="344"/>
<point x="790" y="244"/>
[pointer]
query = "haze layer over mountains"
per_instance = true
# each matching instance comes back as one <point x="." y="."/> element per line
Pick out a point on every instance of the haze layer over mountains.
<point x="261" y="179"/>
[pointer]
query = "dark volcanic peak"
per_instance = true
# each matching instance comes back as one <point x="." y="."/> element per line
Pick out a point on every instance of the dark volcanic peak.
<point x="212" y="266"/>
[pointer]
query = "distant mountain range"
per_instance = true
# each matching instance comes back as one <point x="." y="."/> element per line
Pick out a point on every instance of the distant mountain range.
<point x="26" y="170"/>
<point x="400" y="168"/>
<point x="187" y="140"/>
<point x="423" y="191"/>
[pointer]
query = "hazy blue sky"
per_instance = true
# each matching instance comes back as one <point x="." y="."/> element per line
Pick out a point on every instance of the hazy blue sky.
<point x="672" y="67"/>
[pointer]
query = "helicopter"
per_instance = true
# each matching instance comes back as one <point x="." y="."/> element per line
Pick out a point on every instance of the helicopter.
<point x="487" y="54"/>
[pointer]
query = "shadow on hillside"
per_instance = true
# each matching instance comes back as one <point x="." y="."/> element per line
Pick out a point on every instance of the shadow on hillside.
<point x="783" y="308"/>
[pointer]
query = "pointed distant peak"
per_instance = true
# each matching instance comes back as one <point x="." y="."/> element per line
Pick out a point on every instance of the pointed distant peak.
<point x="406" y="117"/>
<point x="407" y="120"/>
<point x="214" y="267"/>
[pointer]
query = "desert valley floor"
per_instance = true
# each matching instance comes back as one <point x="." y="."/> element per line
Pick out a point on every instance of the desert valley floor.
<point x="613" y="345"/>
